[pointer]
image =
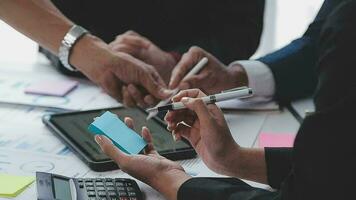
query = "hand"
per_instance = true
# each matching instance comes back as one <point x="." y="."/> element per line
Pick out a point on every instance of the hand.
<point x="150" y="168"/>
<point x="143" y="49"/>
<point x="207" y="131"/>
<point x="111" y="70"/>
<point x="133" y="95"/>
<point x="213" y="78"/>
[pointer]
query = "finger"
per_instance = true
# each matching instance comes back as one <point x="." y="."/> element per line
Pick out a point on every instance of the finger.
<point x="192" y="93"/>
<point x="129" y="122"/>
<point x="155" y="85"/>
<point x="126" y="48"/>
<point x="133" y="40"/>
<point x="195" y="81"/>
<point x="109" y="149"/>
<point x="200" y="109"/>
<point x="187" y="62"/>
<point x="136" y="95"/>
<point x="112" y="86"/>
<point x="127" y="99"/>
<point x="174" y="117"/>
<point x="146" y="135"/>
<point x="150" y="100"/>
<point x="131" y="32"/>
<point x="182" y="131"/>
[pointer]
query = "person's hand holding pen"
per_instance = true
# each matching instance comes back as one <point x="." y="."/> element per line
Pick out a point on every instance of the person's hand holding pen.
<point x="206" y="129"/>
<point x="213" y="78"/>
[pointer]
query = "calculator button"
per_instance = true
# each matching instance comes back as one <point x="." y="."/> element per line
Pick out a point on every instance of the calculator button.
<point x="129" y="184"/>
<point x="132" y="194"/>
<point x="120" y="188"/>
<point x="130" y="189"/>
<point x="91" y="198"/>
<point x="102" y="194"/>
<point x="91" y="194"/>
<point x="99" y="183"/>
<point x="121" y="184"/>
<point x="122" y="194"/>
<point x="112" y="194"/>
<point x="103" y="198"/>
<point x="81" y="185"/>
<point x="89" y="183"/>
<point x="109" y="184"/>
<point x="100" y="188"/>
<point x="90" y="188"/>
<point x="110" y="188"/>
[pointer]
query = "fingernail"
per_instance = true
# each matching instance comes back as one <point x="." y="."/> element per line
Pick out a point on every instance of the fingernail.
<point x="98" y="139"/>
<point x="185" y="100"/>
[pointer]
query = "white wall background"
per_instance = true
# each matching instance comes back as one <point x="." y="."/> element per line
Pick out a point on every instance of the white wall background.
<point x="284" y="21"/>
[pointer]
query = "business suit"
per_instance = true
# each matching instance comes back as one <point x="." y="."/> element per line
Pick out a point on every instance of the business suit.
<point x="293" y="66"/>
<point x="228" y="29"/>
<point x="321" y="165"/>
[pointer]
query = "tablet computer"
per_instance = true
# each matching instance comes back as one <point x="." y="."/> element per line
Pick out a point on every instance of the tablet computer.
<point x="72" y="129"/>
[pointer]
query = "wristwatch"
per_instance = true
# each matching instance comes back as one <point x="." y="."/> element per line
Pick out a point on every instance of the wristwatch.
<point x="72" y="36"/>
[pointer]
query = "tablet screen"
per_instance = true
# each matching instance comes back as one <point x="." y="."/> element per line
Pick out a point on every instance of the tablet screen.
<point x="75" y="127"/>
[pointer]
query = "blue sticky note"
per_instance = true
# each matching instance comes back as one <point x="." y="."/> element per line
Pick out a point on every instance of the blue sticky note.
<point x="122" y="136"/>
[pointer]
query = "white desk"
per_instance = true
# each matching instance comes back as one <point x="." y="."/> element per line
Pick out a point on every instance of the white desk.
<point x="245" y="127"/>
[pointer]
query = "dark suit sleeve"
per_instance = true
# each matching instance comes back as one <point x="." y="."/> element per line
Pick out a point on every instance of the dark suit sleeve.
<point x="221" y="188"/>
<point x="279" y="164"/>
<point x="293" y="66"/>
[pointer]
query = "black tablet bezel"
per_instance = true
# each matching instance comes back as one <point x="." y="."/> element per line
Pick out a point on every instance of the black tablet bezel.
<point x="106" y="165"/>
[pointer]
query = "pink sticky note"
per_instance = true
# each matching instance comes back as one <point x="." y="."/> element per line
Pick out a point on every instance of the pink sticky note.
<point x="276" y="140"/>
<point x="52" y="88"/>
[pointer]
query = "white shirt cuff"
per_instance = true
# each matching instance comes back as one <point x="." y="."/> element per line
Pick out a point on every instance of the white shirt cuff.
<point x="260" y="79"/>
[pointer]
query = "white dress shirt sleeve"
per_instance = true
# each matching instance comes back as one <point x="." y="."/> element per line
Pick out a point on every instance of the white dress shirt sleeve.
<point x="260" y="79"/>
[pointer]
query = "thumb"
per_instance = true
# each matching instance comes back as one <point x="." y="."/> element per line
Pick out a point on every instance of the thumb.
<point x="200" y="108"/>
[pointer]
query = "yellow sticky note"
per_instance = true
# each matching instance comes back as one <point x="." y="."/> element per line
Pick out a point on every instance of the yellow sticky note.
<point x="11" y="186"/>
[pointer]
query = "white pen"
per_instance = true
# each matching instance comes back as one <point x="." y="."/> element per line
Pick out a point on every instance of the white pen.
<point x="242" y="92"/>
<point x="196" y="69"/>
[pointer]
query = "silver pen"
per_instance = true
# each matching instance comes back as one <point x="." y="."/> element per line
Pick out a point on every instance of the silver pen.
<point x="242" y="92"/>
<point x="196" y="69"/>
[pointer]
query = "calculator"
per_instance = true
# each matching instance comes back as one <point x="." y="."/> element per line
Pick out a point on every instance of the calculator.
<point x="56" y="187"/>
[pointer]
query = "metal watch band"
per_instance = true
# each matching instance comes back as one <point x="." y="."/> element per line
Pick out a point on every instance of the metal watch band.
<point x="72" y="36"/>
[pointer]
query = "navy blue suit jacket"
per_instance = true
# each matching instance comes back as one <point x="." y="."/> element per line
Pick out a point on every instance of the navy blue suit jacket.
<point x="294" y="66"/>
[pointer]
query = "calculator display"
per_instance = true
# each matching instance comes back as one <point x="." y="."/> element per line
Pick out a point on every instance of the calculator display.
<point x="61" y="189"/>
